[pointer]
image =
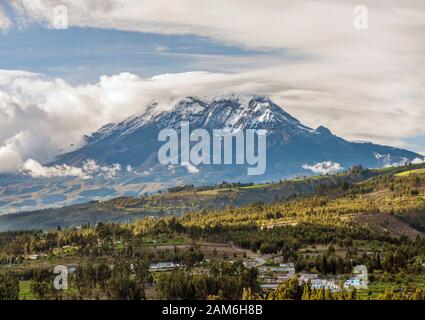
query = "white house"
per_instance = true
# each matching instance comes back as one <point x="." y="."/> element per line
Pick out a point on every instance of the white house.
<point x="162" y="266"/>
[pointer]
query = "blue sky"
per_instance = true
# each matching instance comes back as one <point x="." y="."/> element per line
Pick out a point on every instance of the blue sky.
<point x="81" y="55"/>
<point x="416" y="143"/>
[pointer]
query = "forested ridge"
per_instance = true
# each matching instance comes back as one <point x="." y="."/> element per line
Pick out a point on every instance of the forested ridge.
<point x="317" y="232"/>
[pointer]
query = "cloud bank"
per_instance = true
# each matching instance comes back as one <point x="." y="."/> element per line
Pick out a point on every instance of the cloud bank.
<point x="39" y="117"/>
<point x="362" y="84"/>
<point x="36" y="170"/>
<point x="89" y="170"/>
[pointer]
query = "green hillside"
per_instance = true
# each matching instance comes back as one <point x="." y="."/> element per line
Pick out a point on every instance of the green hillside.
<point x="190" y="198"/>
<point x="229" y="245"/>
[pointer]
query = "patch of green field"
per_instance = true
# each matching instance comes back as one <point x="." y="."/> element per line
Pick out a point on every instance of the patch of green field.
<point x="256" y="186"/>
<point x="212" y="192"/>
<point x="397" y="282"/>
<point x="165" y="241"/>
<point x="409" y="172"/>
<point x="25" y="290"/>
<point x="383" y="170"/>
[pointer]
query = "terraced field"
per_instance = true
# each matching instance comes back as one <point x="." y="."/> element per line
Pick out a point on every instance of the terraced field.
<point x="409" y="172"/>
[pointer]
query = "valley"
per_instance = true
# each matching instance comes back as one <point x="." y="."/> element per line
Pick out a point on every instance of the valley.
<point x="178" y="201"/>
<point x="237" y="241"/>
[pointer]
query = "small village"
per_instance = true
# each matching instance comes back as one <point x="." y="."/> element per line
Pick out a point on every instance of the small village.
<point x="273" y="272"/>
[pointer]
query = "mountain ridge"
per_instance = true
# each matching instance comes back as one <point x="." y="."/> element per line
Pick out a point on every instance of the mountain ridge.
<point x="293" y="149"/>
<point x="223" y="112"/>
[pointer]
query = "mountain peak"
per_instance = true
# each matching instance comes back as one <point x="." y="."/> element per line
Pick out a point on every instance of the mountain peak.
<point x="134" y="140"/>
<point x="233" y="112"/>
<point x="323" y="130"/>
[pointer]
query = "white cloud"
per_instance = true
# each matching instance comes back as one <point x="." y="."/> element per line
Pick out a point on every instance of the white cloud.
<point x="388" y="161"/>
<point x="89" y="170"/>
<point x="10" y="154"/>
<point x="36" y="170"/>
<point x="54" y="114"/>
<point x="403" y="161"/>
<point x="190" y="167"/>
<point x="323" y="167"/>
<point x="354" y="82"/>
<point x="13" y="150"/>
<point x="360" y="81"/>
<point x="38" y="117"/>
<point x="4" y="20"/>
<point x="418" y="161"/>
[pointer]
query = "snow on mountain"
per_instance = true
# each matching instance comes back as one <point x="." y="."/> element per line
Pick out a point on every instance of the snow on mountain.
<point x="132" y="145"/>
<point x="290" y="144"/>
<point x="232" y="112"/>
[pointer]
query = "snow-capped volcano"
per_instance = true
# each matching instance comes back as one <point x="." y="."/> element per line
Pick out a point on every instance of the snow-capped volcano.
<point x="121" y="159"/>
<point x="291" y="146"/>
<point x="232" y="112"/>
